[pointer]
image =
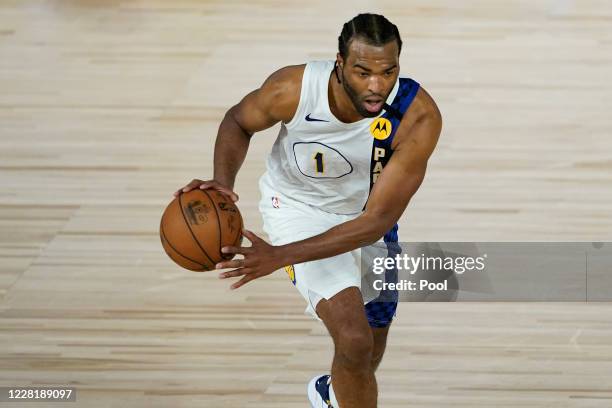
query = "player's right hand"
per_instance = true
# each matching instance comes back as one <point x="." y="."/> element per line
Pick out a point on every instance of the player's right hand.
<point x="203" y="185"/>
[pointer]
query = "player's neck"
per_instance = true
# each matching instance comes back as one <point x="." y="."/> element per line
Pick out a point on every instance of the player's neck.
<point x="340" y="104"/>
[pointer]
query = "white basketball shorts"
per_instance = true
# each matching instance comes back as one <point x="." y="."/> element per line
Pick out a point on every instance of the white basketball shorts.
<point x="287" y="220"/>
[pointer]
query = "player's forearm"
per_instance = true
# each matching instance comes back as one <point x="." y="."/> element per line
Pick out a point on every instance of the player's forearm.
<point x="345" y="237"/>
<point x="231" y="148"/>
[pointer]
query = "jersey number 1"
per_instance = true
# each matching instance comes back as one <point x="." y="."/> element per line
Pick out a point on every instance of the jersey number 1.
<point x="318" y="158"/>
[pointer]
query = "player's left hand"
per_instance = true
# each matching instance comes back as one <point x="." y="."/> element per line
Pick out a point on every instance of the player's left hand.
<point x="260" y="259"/>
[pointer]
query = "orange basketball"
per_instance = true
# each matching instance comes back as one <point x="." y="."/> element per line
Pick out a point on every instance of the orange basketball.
<point x="196" y="225"/>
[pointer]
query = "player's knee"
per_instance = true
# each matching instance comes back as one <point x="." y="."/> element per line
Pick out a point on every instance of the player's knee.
<point x="355" y="348"/>
<point x="377" y="355"/>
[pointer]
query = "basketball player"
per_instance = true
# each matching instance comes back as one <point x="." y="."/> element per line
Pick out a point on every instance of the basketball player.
<point x="325" y="193"/>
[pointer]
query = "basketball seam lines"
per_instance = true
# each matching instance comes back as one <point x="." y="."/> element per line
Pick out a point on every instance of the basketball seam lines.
<point x="192" y="234"/>
<point x="161" y="227"/>
<point x="218" y="219"/>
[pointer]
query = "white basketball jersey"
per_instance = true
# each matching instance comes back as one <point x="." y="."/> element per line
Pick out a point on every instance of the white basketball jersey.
<point x="323" y="162"/>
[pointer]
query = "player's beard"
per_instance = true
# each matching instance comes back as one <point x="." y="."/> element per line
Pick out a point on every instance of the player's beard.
<point x="357" y="101"/>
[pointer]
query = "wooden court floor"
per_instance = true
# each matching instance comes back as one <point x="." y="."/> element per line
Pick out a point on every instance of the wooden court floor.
<point x="106" y="107"/>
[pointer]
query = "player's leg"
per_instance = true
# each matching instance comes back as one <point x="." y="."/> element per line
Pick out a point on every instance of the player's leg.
<point x="381" y="310"/>
<point x="330" y="287"/>
<point x="379" y="334"/>
<point x="353" y="379"/>
<point x="380" y="315"/>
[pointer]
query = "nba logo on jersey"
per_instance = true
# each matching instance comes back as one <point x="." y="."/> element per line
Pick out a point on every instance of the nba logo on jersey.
<point x="275" y="202"/>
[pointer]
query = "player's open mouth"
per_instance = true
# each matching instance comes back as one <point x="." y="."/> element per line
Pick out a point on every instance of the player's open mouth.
<point x="373" y="105"/>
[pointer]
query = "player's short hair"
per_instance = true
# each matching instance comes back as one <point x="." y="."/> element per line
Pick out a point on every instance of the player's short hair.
<point x="374" y="29"/>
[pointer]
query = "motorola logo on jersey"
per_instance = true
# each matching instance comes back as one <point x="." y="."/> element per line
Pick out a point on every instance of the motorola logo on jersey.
<point x="381" y="128"/>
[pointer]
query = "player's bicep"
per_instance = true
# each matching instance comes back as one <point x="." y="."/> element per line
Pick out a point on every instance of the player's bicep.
<point x="394" y="188"/>
<point x="276" y="100"/>
<point x="253" y="113"/>
<point x="405" y="172"/>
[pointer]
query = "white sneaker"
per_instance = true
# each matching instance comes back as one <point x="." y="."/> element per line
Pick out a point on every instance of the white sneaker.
<point x="318" y="391"/>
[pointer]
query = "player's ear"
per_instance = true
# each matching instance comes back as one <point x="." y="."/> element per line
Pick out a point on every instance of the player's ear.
<point x="338" y="66"/>
<point x="339" y="60"/>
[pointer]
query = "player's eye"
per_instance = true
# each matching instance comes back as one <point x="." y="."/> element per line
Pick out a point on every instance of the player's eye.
<point x="363" y="74"/>
<point x="389" y="73"/>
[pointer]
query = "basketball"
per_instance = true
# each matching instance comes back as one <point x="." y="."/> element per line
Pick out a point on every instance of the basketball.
<point x="196" y="225"/>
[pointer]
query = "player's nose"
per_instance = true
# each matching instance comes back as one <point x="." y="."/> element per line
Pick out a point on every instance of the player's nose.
<point x="375" y="85"/>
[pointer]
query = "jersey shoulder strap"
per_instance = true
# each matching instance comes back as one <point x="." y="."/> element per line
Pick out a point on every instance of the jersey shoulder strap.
<point x="406" y="93"/>
<point x="383" y="129"/>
